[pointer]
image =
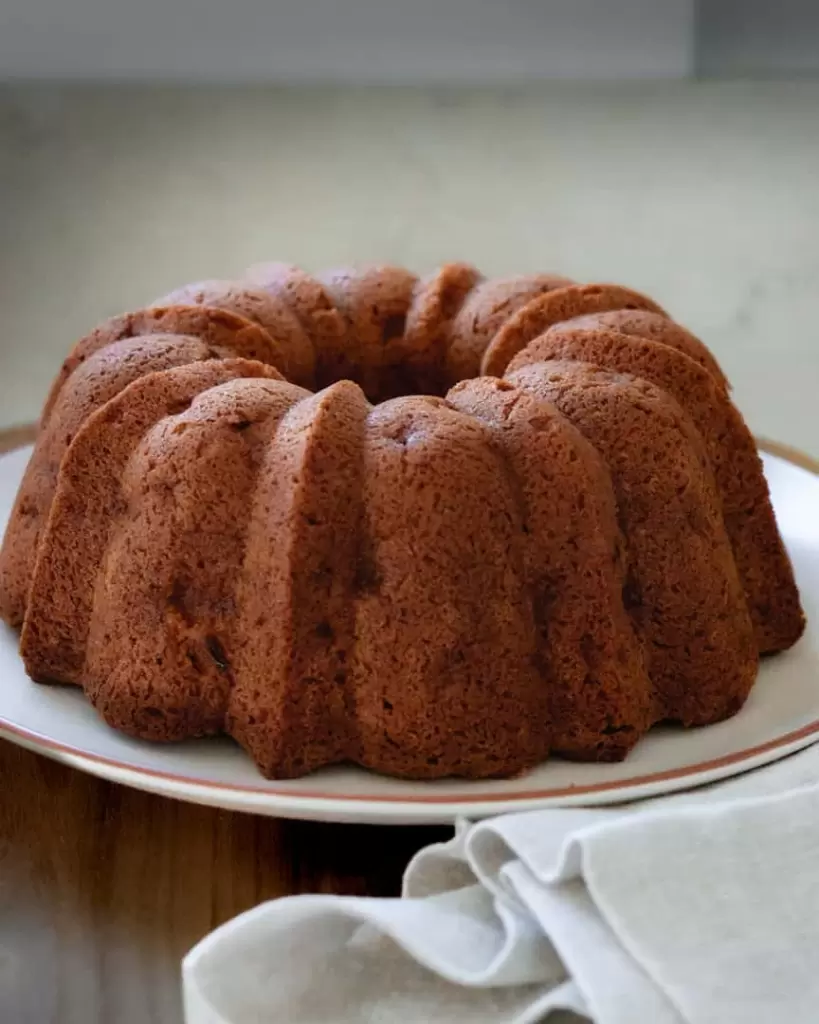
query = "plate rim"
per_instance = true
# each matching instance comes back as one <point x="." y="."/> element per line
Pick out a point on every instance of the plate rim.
<point x="39" y="742"/>
<point x="171" y="784"/>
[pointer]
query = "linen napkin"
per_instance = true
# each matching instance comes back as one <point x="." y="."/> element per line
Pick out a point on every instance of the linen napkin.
<point x="698" y="908"/>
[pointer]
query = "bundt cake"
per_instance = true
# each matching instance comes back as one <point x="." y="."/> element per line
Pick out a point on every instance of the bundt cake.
<point x="438" y="526"/>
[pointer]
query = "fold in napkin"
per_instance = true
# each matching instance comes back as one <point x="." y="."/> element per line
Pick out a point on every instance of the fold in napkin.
<point x="700" y="908"/>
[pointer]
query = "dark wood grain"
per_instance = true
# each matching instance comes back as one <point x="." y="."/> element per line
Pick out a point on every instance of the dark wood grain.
<point x="103" y="889"/>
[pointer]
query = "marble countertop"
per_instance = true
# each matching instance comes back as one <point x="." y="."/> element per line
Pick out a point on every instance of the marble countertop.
<point x="705" y="195"/>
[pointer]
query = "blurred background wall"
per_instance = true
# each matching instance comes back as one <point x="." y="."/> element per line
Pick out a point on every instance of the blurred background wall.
<point x="670" y="146"/>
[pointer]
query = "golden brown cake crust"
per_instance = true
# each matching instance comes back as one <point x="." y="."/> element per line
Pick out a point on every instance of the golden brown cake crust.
<point x="456" y="583"/>
<point x="87" y="501"/>
<point x="682" y="591"/>
<point x="553" y="307"/>
<point x="373" y="302"/>
<point x="763" y="564"/>
<point x="589" y="659"/>
<point x="218" y="328"/>
<point x="654" y="327"/>
<point x="486" y="309"/>
<point x="161" y="642"/>
<point x="101" y="373"/>
<point x="270" y="312"/>
<point x="436" y="302"/>
<point x="307" y="298"/>
<point x="443" y="627"/>
<point x="291" y="704"/>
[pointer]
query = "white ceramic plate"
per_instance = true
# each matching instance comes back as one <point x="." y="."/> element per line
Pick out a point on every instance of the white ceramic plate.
<point x="781" y="716"/>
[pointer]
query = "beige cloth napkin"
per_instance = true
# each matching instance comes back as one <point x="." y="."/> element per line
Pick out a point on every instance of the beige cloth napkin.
<point x="699" y="908"/>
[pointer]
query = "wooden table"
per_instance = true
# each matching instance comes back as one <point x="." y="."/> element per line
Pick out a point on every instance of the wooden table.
<point x="103" y="889"/>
